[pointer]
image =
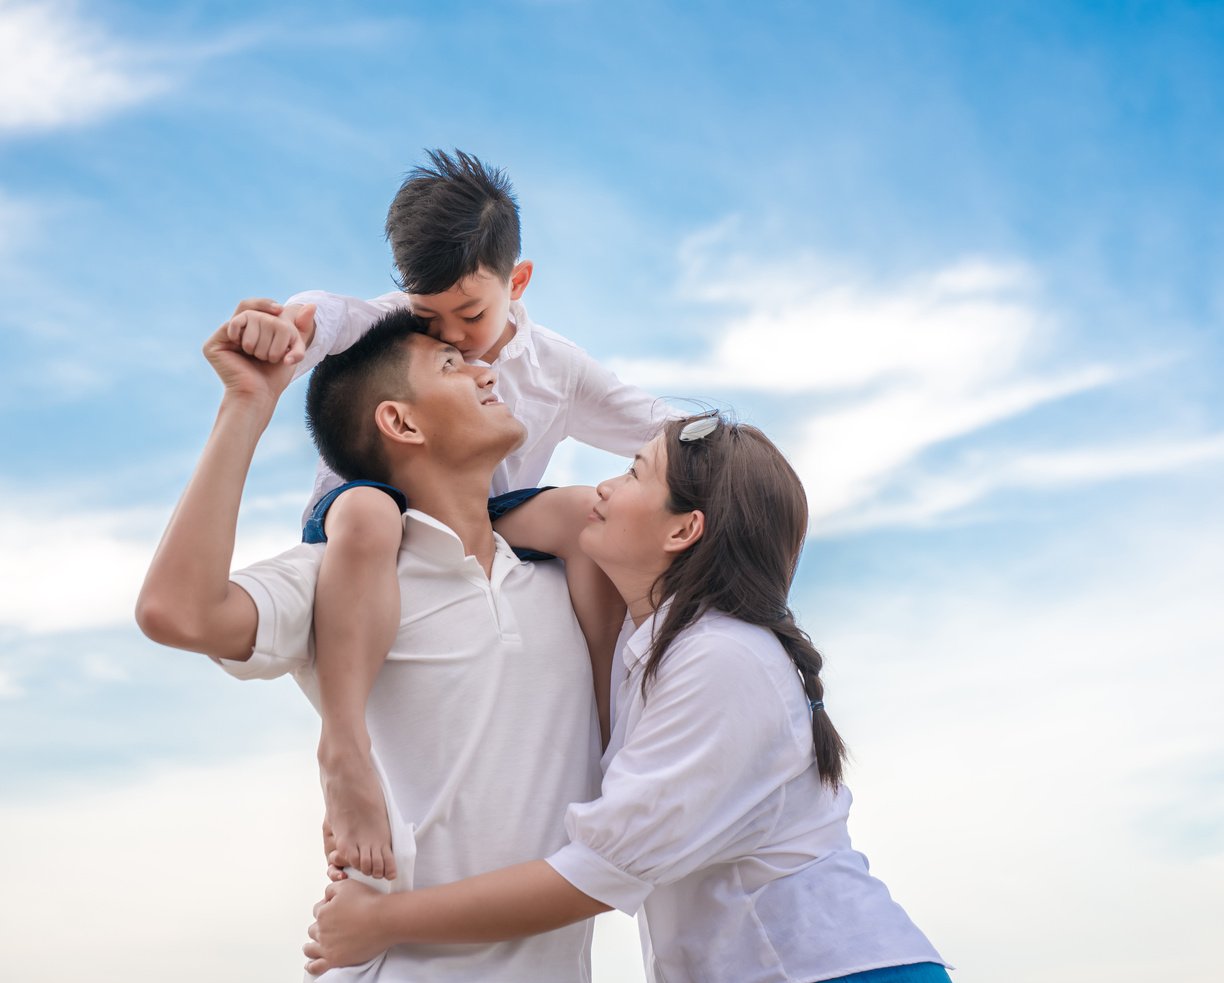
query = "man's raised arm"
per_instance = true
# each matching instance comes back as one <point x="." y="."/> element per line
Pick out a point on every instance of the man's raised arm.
<point x="187" y="600"/>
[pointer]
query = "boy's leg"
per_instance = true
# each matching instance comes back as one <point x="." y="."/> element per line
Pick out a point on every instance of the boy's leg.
<point x="550" y="522"/>
<point x="357" y="614"/>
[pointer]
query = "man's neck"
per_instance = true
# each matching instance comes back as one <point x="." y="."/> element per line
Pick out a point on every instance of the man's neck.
<point x="460" y="501"/>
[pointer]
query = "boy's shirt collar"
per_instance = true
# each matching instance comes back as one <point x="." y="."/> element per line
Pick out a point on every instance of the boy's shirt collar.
<point x="523" y="342"/>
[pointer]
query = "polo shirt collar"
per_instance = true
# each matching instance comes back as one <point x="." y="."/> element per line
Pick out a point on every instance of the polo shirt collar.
<point x="439" y="543"/>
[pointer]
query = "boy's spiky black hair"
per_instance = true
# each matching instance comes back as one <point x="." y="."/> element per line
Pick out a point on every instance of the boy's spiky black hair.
<point x="450" y="218"/>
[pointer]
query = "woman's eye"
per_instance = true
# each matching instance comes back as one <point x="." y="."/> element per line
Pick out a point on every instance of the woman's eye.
<point x="631" y="470"/>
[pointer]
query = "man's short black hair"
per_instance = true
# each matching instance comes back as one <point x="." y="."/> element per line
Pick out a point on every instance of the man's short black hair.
<point x="450" y="219"/>
<point x="345" y="389"/>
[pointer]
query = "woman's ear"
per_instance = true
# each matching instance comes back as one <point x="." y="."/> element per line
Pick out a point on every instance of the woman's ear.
<point x="686" y="532"/>
<point x="394" y="420"/>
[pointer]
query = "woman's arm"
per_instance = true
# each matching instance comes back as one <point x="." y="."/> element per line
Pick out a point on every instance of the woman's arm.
<point x="354" y="923"/>
<point x="550" y="522"/>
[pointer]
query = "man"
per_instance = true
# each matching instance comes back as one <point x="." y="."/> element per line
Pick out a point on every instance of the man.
<point x="482" y="720"/>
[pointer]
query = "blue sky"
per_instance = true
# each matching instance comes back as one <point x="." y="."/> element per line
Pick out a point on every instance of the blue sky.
<point x="964" y="262"/>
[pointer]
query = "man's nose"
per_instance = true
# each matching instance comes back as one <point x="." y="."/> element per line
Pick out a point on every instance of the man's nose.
<point x="484" y="376"/>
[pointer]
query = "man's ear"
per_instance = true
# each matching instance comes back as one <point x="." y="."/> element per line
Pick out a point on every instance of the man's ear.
<point x="395" y="421"/>
<point x="520" y="276"/>
<point x="686" y="532"/>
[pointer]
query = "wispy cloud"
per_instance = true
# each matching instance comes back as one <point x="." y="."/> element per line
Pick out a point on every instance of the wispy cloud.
<point x="874" y="375"/>
<point x="66" y="569"/>
<point x="18" y="220"/>
<point x="60" y="68"/>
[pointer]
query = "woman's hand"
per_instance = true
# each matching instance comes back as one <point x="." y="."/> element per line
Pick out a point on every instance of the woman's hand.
<point x="347" y="928"/>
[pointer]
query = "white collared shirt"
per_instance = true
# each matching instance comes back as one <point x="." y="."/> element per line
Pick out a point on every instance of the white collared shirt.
<point x="713" y="819"/>
<point x="550" y="384"/>
<point x="482" y="723"/>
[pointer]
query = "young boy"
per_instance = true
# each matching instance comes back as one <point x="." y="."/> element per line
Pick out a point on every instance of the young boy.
<point x="454" y="233"/>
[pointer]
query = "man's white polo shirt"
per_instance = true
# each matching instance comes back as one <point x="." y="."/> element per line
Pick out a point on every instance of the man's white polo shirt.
<point x="482" y="722"/>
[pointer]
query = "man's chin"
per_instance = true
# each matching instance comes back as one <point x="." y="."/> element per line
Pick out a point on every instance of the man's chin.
<point x="516" y="435"/>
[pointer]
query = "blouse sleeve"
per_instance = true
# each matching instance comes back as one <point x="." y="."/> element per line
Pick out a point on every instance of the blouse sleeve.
<point x="695" y="782"/>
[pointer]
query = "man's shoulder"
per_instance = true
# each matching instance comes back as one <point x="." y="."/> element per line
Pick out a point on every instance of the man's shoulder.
<point x="539" y="586"/>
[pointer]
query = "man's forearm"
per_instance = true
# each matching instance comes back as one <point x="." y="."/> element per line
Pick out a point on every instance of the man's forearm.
<point x="187" y="600"/>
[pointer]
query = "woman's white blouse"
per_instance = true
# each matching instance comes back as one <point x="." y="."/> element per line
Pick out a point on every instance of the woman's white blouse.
<point x="713" y="819"/>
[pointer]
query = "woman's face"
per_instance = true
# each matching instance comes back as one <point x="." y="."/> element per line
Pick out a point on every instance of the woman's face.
<point x="630" y="523"/>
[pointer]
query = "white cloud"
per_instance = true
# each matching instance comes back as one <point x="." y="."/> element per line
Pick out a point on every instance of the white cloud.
<point x="194" y="874"/>
<point x="18" y="221"/>
<point x="923" y="497"/>
<point x="65" y="569"/>
<point x="872" y="376"/>
<point x="9" y="687"/>
<point x="1103" y="463"/>
<point x="1037" y="769"/>
<point x="847" y="456"/>
<point x="59" y="68"/>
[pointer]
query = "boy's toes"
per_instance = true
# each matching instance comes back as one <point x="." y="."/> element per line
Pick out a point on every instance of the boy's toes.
<point x="389" y="870"/>
<point x="376" y="863"/>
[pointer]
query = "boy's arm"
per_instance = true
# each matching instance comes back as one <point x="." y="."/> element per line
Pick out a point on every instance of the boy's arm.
<point x="610" y="414"/>
<point x="187" y="600"/>
<point x="340" y="321"/>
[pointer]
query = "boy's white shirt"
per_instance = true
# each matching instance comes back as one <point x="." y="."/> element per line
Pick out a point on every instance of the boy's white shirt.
<point x="549" y="383"/>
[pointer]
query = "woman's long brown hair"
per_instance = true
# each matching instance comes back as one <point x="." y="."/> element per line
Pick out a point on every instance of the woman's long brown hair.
<point x="756" y="520"/>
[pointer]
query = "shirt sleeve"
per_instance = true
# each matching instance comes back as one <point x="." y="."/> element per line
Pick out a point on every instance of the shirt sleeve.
<point x="340" y="321"/>
<point x="283" y="590"/>
<point x="695" y="782"/>
<point x="609" y="414"/>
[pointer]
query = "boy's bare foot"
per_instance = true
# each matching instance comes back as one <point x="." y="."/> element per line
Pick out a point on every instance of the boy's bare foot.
<point x="356" y="809"/>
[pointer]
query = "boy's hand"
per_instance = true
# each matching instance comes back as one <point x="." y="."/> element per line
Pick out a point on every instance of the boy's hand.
<point x="271" y="333"/>
<point x="244" y="375"/>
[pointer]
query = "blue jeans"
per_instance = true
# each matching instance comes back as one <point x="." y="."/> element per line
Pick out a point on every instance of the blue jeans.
<point x="913" y="973"/>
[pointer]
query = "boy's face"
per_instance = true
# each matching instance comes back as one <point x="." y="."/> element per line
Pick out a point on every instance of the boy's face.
<point x="474" y="314"/>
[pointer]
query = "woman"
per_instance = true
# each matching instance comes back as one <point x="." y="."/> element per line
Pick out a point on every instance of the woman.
<point x="722" y="812"/>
